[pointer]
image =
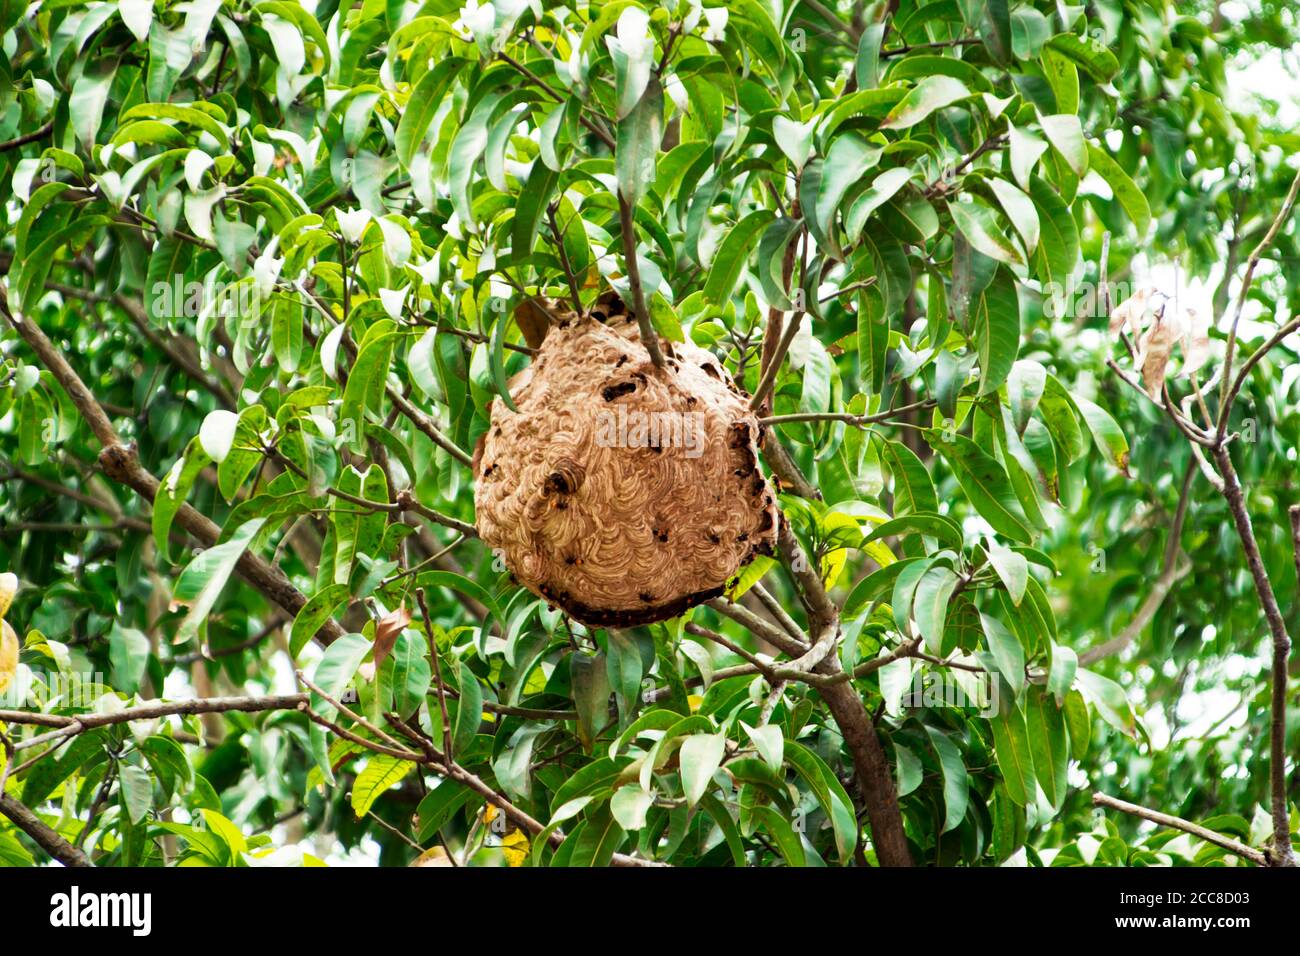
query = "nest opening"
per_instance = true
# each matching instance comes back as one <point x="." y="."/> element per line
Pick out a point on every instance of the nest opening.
<point x="622" y="493"/>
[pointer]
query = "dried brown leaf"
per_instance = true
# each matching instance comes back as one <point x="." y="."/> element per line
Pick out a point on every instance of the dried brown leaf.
<point x="390" y="625"/>
<point x="1153" y="353"/>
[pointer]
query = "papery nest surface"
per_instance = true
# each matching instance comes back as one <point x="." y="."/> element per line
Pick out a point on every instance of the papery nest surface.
<point x="622" y="493"/>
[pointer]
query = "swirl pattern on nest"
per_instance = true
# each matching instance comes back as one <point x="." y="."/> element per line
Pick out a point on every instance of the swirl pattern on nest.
<point x="622" y="493"/>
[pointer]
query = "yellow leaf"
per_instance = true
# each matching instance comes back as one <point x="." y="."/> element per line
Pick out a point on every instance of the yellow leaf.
<point x="515" y="846"/>
<point x="434" y="857"/>
<point x="380" y="774"/>
<point x="750" y="575"/>
<point x="8" y="588"/>
<point x="8" y="655"/>
<point x="879" y="552"/>
<point x="694" y="701"/>
<point x="833" y="566"/>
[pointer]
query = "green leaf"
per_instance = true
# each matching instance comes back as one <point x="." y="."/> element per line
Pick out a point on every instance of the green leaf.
<point x="336" y="668"/>
<point x="930" y="605"/>
<point x="847" y="161"/>
<point x="425" y="98"/>
<point x="769" y="742"/>
<point x="469" y="709"/>
<point x="913" y="490"/>
<point x="732" y="253"/>
<point x="1106" y="434"/>
<point x="458" y="582"/>
<point x="1057" y="411"/>
<point x="941" y="527"/>
<point x="366" y="381"/>
<point x="830" y="794"/>
<point x="1065" y="134"/>
<point x="1026" y="149"/>
<point x="1131" y="198"/>
<point x="438" y="806"/>
<point x="37" y="202"/>
<point x="137" y="791"/>
<point x="311" y="617"/>
<point x="787" y="841"/>
<point x="1109" y="699"/>
<point x="1025" y="384"/>
<point x="1093" y="56"/>
<point x="1020" y="210"/>
<point x="771" y="260"/>
<point x="883" y="188"/>
<point x="302" y="19"/>
<point x="128" y="651"/>
<point x="994" y="24"/>
<point x="955" y="779"/>
<point x="699" y="757"/>
<point x="286" y="332"/>
<point x="873" y="338"/>
<point x="1011" y="568"/>
<point x="1006" y="650"/>
<point x="174" y="489"/>
<point x="1058" y="252"/>
<point x="1047" y="742"/>
<point x="497" y="361"/>
<point x="629" y="806"/>
<point x="980" y="226"/>
<point x="1079" y="724"/>
<point x="1063" y="76"/>
<point x="867" y="63"/>
<point x="908" y="769"/>
<point x="930" y="93"/>
<point x="591" y="690"/>
<point x="534" y="198"/>
<point x="1011" y="747"/>
<point x="594" y="841"/>
<point x="410" y="672"/>
<point x="201" y="582"/>
<point x="639" y="135"/>
<point x="86" y="104"/>
<point x="1065" y="663"/>
<point x="985" y="483"/>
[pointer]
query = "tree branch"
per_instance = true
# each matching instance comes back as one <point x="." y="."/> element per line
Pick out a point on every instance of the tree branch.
<point x="874" y="775"/>
<point x="46" y="838"/>
<point x="121" y="463"/>
<point x="1178" y="823"/>
<point x="1283" y="214"/>
<point x="27" y="138"/>
<point x="1281" y="651"/>
<point x="649" y="337"/>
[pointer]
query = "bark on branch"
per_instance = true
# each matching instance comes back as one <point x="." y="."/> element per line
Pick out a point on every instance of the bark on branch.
<point x="874" y="775"/>
<point x="1285" y="855"/>
<point x="46" y="838"/>
<point x="1178" y="823"/>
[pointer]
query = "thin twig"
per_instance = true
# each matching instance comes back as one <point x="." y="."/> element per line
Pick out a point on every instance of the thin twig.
<point x="649" y="337"/>
<point x="1283" y="214"/>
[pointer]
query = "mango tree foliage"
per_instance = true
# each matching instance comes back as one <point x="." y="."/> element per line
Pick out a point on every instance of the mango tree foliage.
<point x="295" y="250"/>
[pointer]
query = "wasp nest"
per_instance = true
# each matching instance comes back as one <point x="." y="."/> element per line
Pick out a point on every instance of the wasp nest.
<point x="619" y="492"/>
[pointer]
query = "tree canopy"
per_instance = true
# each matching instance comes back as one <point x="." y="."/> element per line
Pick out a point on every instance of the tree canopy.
<point x="1006" y="284"/>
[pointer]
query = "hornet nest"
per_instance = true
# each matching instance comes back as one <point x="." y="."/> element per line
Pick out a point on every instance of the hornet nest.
<point x="622" y="493"/>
